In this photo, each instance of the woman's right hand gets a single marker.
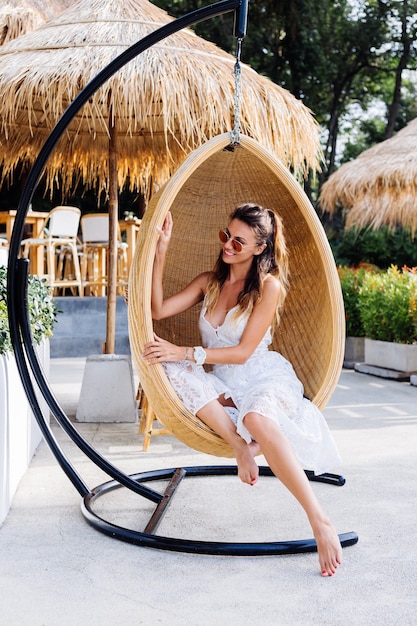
(165, 233)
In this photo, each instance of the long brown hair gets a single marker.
(268, 229)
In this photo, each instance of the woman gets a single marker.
(252, 398)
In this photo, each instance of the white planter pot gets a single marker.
(354, 351)
(19, 431)
(395, 356)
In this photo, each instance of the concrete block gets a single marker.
(413, 379)
(108, 391)
(381, 372)
(394, 356)
(354, 351)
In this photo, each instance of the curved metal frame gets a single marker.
(20, 328)
(150, 540)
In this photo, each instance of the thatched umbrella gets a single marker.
(18, 17)
(380, 186)
(167, 101)
(163, 104)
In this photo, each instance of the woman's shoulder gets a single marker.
(271, 283)
(201, 282)
(271, 289)
(203, 279)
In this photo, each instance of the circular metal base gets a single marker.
(150, 540)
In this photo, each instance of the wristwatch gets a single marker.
(199, 355)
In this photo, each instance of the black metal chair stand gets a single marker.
(149, 539)
(31, 372)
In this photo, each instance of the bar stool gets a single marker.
(93, 253)
(60, 234)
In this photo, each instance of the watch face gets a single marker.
(199, 355)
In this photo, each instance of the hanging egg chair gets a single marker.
(209, 184)
(202, 193)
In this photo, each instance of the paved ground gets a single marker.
(56, 570)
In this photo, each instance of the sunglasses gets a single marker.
(237, 246)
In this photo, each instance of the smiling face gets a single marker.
(240, 233)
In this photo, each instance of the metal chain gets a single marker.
(237, 72)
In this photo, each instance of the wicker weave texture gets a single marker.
(201, 195)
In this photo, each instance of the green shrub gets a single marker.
(388, 305)
(382, 247)
(42, 311)
(351, 279)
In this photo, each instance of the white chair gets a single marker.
(60, 245)
(95, 243)
(4, 251)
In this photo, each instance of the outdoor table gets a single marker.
(37, 220)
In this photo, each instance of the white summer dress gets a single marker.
(265, 384)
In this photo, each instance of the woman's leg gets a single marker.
(283, 462)
(214, 415)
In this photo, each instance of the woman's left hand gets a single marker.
(159, 350)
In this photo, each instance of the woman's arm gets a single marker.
(194, 292)
(259, 321)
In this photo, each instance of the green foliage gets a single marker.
(351, 279)
(388, 305)
(331, 54)
(5, 344)
(382, 247)
(42, 311)
(362, 136)
(219, 30)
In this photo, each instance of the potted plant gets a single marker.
(388, 311)
(42, 311)
(19, 432)
(351, 280)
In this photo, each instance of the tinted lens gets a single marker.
(237, 245)
(225, 237)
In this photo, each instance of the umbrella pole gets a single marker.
(109, 346)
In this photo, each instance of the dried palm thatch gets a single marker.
(380, 186)
(164, 103)
(18, 17)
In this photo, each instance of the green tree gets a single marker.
(320, 52)
(401, 54)
(335, 63)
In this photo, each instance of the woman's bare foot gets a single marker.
(248, 470)
(328, 547)
(254, 448)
